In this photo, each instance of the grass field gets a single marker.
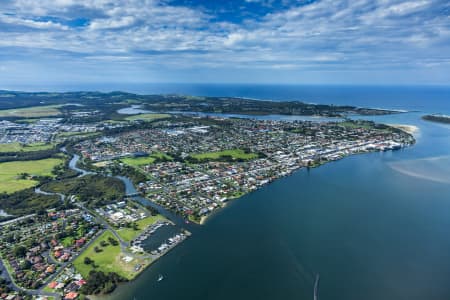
(9, 172)
(108, 260)
(129, 234)
(355, 125)
(147, 117)
(138, 161)
(142, 161)
(234, 153)
(32, 112)
(17, 147)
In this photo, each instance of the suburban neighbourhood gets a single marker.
(71, 228)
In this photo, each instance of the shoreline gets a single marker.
(204, 219)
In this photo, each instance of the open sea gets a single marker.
(374, 226)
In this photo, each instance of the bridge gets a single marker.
(131, 195)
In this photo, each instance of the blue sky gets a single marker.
(235, 41)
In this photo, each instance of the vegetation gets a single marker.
(96, 190)
(27, 202)
(437, 118)
(147, 117)
(105, 259)
(108, 103)
(146, 160)
(99, 282)
(136, 175)
(356, 124)
(130, 233)
(32, 112)
(138, 161)
(19, 175)
(225, 155)
(17, 147)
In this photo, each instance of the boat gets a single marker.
(160, 277)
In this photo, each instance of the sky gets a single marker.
(218, 41)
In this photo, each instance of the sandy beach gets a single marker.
(411, 129)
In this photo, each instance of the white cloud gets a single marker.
(31, 23)
(326, 34)
(112, 23)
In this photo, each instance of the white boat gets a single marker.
(160, 277)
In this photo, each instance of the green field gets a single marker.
(147, 117)
(32, 112)
(355, 125)
(234, 153)
(17, 147)
(142, 161)
(9, 172)
(108, 260)
(129, 234)
(138, 161)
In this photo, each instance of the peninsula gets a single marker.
(69, 227)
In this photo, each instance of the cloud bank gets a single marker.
(328, 41)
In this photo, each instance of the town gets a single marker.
(194, 166)
(88, 238)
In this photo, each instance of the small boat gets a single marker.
(160, 277)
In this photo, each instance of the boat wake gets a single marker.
(316, 287)
(303, 271)
(435, 169)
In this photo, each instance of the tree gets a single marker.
(20, 251)
(25, 265)
(113, 241)
(88, 260)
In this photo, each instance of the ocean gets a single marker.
(373, 226)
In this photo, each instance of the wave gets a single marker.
(435, 169)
